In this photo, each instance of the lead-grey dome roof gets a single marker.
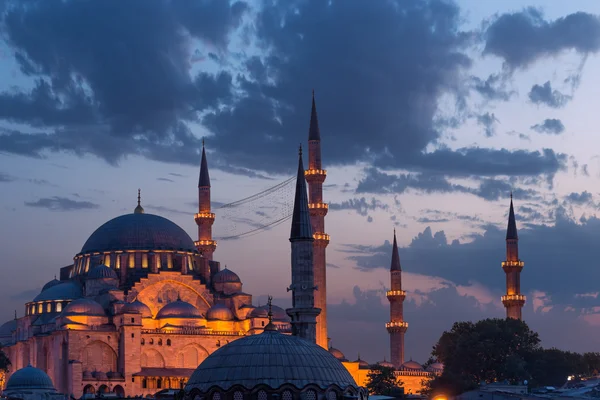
(53, 282)
(87, 307)
(138, 232)
(179, 309)
(64, 291)
(29, 378)
(271, 359)
(137, 307)
(102, 272)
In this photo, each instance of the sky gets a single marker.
(431, 113)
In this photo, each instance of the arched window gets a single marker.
(262, 395)
(58, 307)
(168, 342)
(160, 342)
(144, 383)
(159, 383)
(151, 341)
(143, 342)
(48, 307)
(287, 395)
(40, 308)
(216, 396)
(237, 395)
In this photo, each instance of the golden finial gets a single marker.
(139, 209)
(139, 196)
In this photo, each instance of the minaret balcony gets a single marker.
(321, 239)
(513, 300)
(204, 218)
(395, 294)
(210, 244)
(318, 209)
(512, 265)
(396, 326)
(315, 175)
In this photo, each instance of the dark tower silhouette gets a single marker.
(204, 218)
(513, 300)
(315, 176)
(303, 312)
(397, 326)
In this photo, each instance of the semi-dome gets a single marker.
(412, 366)
(137, 307)
(219, 312)
(102, 272)
(63, 291)
(226, 276)
(87, 307)
(29, 378)
(48, 285)
(138, 232)
(179, 309)
(337, 354)
(271, 359)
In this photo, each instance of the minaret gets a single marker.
(396, 327)
(303, 312)
(204, 219)
(315, 176)
(513, 300)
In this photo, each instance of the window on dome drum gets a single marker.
(262, 395)
(216, 396)
(239, 396)
(287, 395)
(40, 308)
(310, 395)
(58, 307)
(48, 307)
(144, 260)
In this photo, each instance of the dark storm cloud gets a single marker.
(361, 205)
(582, 198)
(523, 37)
(546, 249)
(57, 203)
(488, 121)
(550, 126)
(545, 95)
(493, 88)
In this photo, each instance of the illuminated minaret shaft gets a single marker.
(513, 300)
(315, 176)
(397, 326)
(204, 218)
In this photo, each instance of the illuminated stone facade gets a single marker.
(138, 310)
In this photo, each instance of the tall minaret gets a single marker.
(303, 312)
(315, 176)
(396, 327)
(513, 300)
(204, 219)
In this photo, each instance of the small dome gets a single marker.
(29, 378)
(385, 363)
(436, 367)
(219, 312)
(226, 276)
(87, 307)
(179, 309)
(267, 359)
(279, 313)
(137, 307)
(102, 272)
(337, 354)
(53, 282)
(411, 366)
(259, 312)
(362, 363)
(63, 291)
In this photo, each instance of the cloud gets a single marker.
(26, 295)
(168, 210)
(165, 179)
(545, 95)
(550, 126)
(582, 198)
(488, 121)
(493, 88)
(523, 37)
(4, 178)
(361, 205)
(57, 203)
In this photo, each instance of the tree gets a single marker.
(382, 380)
(4, 361)
(487, 351)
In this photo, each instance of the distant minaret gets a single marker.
(396, 327)
(513, 300)
(205, 218)
(303, 312)
(315, 176)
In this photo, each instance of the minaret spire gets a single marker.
(513, 300)
(139, 209)
(204, 218)
(315, 176)
(397, 326)
(303, 312)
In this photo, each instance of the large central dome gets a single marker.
(138, 232)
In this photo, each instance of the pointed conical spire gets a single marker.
(313, 130)
(301, 228)
(511, 231)
(204, 177)
(139, 209)
(395, 266)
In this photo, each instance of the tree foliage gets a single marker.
(4, 361)
(382, 380)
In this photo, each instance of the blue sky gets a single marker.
(430, 114)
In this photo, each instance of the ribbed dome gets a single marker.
(87, 307)
(137, 307)
(337, 354)
(63, 291)
(412, 366)
(102, 272)
(271, 359)
(48, 285)
(179, 309)
(226, 276)
(138, 232)
(30, 378)
(219, 312)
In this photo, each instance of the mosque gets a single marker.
(143, 306)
